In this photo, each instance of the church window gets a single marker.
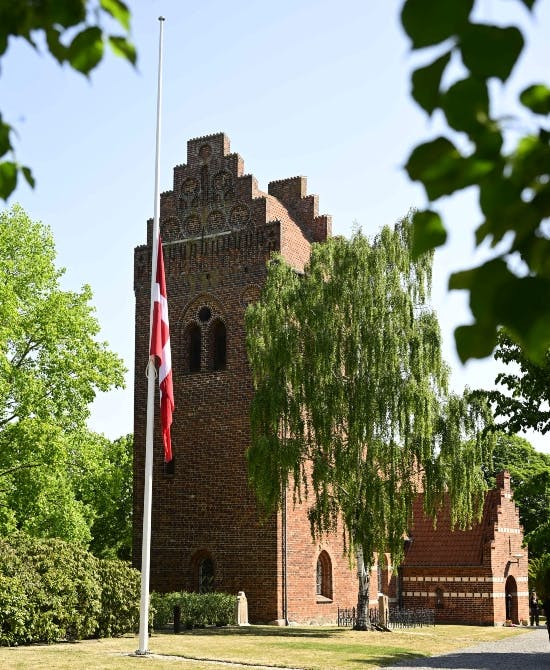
(324, 576)
(194, 344)
(218, 342)
(206, 576)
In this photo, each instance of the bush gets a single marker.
(197, 610)
(55, 584)
(120, 597)
(52, 590)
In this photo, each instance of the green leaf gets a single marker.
(121, 47)
(5, 143)
(426, 82)
(475, 341)
(86, 50)
(428, 232)
(429, 22)
(442, 170)
(466, 105)
(118, 10)
(68, 13)
(535, 251)
(56, 47)
(8, 179)
(490, 51)
(536, 98)
(525, 310)
(530, 161)
(28, 176)
(430, 159)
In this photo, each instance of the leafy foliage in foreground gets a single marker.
(52, 590)
(197, 610)
(512, 171)
(74, 33)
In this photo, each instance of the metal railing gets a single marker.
(398, 618)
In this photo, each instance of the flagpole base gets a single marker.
(140, 652)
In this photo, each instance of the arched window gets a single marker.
(193, 348)
(206, 576)
(323, 576)
(218, 343)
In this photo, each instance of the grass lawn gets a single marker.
(310, 648)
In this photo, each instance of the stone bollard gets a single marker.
(383, 610)
(241, 609)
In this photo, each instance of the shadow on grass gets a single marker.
(458, 661)
(263, 631)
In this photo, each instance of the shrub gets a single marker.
(120, 596)
(52, 590)
(197, 610)
(14, 611)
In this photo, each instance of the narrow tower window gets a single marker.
(194, 343)
(219, 345)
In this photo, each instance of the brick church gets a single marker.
(219, 230)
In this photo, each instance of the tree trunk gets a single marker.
(362, 621)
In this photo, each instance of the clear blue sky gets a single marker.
(316, 88)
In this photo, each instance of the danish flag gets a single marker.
(160, 349)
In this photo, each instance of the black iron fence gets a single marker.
(398, 618)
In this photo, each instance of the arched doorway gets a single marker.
(511, 600)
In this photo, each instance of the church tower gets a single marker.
(218, 231)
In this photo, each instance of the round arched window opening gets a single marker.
(205, 314)
(323, 576)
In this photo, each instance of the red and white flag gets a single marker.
(160, 348)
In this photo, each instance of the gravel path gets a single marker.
(529, 651)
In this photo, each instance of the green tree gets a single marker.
(530, 479)
(525, 404)
(350, 404)
(101, 475)
(75, 33)
(51, 366)
(510, 169)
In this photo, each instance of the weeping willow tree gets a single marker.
(351, 407)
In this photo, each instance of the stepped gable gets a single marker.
(212, 196)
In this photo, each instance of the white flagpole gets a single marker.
(151, 377)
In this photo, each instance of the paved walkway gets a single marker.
(529, 651)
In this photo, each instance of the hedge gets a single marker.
(197, 610)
